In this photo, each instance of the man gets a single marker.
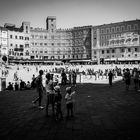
(110, 75)
(39, 87)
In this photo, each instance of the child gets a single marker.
(58, 98)
(69, 101)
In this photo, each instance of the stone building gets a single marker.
(60, 44)
(115, 42)
(3, 42)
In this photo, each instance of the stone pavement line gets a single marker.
(100, 113)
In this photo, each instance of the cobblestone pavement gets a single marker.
(101, 113)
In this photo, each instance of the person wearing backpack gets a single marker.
(39, 88)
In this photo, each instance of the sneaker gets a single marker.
(41, 107)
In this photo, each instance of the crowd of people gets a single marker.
(50, 79)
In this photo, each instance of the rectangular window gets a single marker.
(16, 37)
(107, 30)
(107, 51)
(26, 38)
(122, 28)
(129, 50)
(26, 45)
(117, 29)
(102, 31)
(128, 27)
(113, 51)
(136, 49)
(122, 50)
(11, 36)
(112, 29)
(135, 26)
(102, 51)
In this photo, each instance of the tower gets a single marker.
(26, 27)
(51, 23)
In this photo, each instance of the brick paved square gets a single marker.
(100, 112)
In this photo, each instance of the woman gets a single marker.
(50, 93)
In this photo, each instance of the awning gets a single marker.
(110, 59)
(80, 60)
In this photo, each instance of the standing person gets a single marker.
(136, 78)
(33, 81)
(58, 98)
(49, 87)
(64, 77)
(39, 87)
(69, 101)
(127, 78)
(110, 76)
(74, 76)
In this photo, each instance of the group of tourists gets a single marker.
(53, 95)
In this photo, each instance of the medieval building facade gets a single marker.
(104, 43)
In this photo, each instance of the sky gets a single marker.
(69, 13)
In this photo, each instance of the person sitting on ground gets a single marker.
(10, 86)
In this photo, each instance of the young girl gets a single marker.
(69, 101)
(58, 98)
